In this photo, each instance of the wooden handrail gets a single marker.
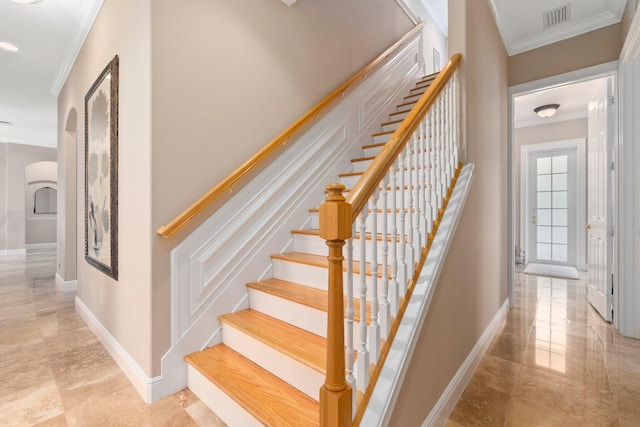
(372, 177)
(257, 159)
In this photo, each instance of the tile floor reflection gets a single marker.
(554, 363)
(55, 372)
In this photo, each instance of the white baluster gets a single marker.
(447, 140)
(422, 181)
(362, 365)
(374, 327)
(394, 296)
(411, 260)
(350, 353)
(432, 171)
(385, 314)
(441, 160)
(402, 268)
(438, 147)
(417, 242)
(456, 115)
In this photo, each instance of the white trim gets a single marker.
(63, 286)
(13, 252)
(626, 299)
(449, 398)
(581, 191)
(385, 394)
(608, 69)
(555, 119)
(567, 30)
(87, 17)
(407, 10)
(141, 382)
(33, 246)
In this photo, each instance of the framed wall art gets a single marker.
(101, 171)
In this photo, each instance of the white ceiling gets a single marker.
(521, 21)
(49, 35)
(573, 99)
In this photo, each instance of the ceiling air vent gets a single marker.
(556, 16)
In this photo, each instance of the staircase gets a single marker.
(272, 362)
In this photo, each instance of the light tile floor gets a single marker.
(554, 363)
(55, 372)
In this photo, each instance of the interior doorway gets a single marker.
(550, 223)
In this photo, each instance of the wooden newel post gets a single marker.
(335, 228)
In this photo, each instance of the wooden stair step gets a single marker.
(392, 122)
(389, 133)
(344, 175)
(303, 346)
(407, 104)
(320, 261)
(397, 113)
(304, 295)
(270, 400)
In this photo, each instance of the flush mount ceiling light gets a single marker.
(546, 111)
(8, 46)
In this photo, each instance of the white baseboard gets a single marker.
(13, 252)
(68, 286)
(32, 246)
(449, 398)
(140, 381)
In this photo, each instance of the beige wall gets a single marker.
(15, 157)
(230, 75)
(432, 37)
(596, 47)
(123, 307)
(559, 131)
(474, 281)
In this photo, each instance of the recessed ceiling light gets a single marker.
(8, 46)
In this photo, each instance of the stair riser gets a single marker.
(412, 98)
(379, 139)
(315, 277)
(316, 246)
(405, 106)
(419, 90)
(290, 370)
(301, 316)
(371, 151)
(360, 166)
(399, 116)
(232, 413)
(390, 127)
(379, 217)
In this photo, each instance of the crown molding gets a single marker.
(83, 25)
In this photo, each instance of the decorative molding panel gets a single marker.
(210, 268)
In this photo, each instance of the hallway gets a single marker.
(554, 363)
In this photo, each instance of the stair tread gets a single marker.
(392, 122)
(380, 144)
(362, 159)
(297, 343)
(389, 132)
(268, 398)
(305, 295)
(344, 175)
(320, 261)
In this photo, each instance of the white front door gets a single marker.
(552, 204)
(599, 249)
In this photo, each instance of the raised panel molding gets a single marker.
(210, 268)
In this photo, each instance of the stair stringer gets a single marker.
(212, 265)
(389, 384)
